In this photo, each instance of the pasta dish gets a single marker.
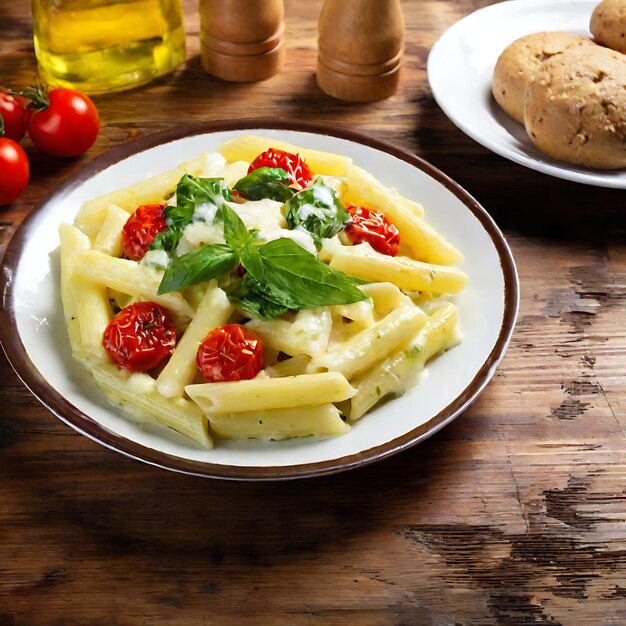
(259, 291)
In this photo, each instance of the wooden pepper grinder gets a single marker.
(361, 43)
(242, 40)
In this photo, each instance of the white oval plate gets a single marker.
(33, 333)
(460, 67)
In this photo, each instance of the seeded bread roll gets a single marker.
(575, 109)
(608, 24)
(519, 63)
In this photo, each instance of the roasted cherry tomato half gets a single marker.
(139, 337)
(14, 170)
(64, 122)
(299, 173)
(15, 115)
(142, 227)
(230, 352)
(374, 228)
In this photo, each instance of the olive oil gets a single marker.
(107, 45)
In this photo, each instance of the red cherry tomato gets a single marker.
(14, 170)
(139, 337)
(65, 123)
(299, 172)
(15, 115)
(374, 228)
(230, 352)
(141, 228)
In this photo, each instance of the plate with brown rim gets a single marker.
(34, 338)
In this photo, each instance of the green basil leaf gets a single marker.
(250, 299)
(236, 235)
(295, 278)
(265, 182)
(202, 264)
(318, 211)
(190, 192)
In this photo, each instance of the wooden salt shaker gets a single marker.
(361, 43)
(242, 40)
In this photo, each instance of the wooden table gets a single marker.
(514, 514)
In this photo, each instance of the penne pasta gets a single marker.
(372, 344)
(109, 238)
(439, 334)
(276, 424)
(248, 147)
(214, 310)
(289, 367)
(72, 241)
(128, 277)
(364, 262)
(137, 395)
(260, 394)
(309, 332)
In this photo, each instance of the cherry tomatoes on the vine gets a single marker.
(64, 122)
(140, 230)
(229, 353)
(139, 337)
(15, 115)
(374, 228)
(299, 172)
(14, 170)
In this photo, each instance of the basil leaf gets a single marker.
(295, 278)
(250, 299)
(202, 264)
(265, 182)
(190, 192)
(236, 235)
(318, 211)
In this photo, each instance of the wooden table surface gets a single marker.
(513, 514)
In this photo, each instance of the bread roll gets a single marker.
(575, 109)
(608, 24)
(519, 63)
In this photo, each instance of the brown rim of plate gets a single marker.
(62, 408)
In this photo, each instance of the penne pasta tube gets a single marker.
(136, 394)
(128, 277)
(385, 297)
(309, 332)
(372, 344)
(439, 334)
(72, 241)
(214, 310)
(364, 262)
(248, 147)
(94, 313)
(323, 419)
(109, 238)
(424, 241)
(260, 394)
(364, 188)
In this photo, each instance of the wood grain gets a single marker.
(513, 515)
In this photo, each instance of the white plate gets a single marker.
(460, 67)
(34, 337)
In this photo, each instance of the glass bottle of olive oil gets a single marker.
(107, 45)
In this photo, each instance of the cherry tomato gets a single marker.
(65, 122)
(15, 115)
(142, 227)
(14, 170)
(139, 337)
(230, 352)
(374, 228)
(299, 172)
